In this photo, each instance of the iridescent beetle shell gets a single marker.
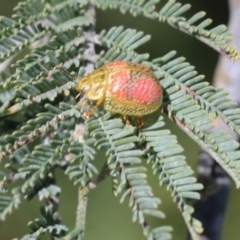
(123, 87)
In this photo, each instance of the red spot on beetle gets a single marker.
(145, 90)
(119, 84)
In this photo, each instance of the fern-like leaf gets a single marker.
(122, 161)
(163, 153)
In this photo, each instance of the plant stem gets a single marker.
(81, 211)
(89, 52)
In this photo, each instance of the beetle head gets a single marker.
(93, 89)
(83, 84)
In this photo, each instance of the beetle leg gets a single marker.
(88, 114)
(139, 121)
(126, 119)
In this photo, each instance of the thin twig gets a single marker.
(89, 52)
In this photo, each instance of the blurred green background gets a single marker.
(107, 219)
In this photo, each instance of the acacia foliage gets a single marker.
(48, 128)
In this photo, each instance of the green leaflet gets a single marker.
(35, 127)
(9, 204)
(217, 37)
(124, 157)
(173, 170)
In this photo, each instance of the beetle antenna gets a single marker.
(67, 72)
(78, 95)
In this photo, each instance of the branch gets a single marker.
(81, 210)
(89, 52)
